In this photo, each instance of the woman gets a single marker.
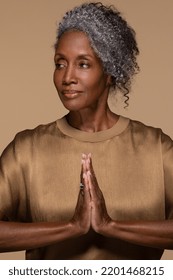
(123, 208)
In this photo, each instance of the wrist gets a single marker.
(77, 229)
(107, 228)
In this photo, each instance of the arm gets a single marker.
(16, 236)
(155, 234)
(158, 234)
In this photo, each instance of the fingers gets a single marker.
(84, 191)
(86, 163)
(97, 206)
(88, 171)
(83, 177)
(87, 168)
(83, 200)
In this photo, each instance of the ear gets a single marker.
(109, 80)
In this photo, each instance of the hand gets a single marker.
(99, 216)
(82, 215)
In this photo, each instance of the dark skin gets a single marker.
(83, 88)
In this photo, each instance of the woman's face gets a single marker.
(79, 77)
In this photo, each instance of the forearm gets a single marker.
(22, 236)
(156, 234)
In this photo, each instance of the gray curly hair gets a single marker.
(112, 39)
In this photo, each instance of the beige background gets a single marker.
(27, 94)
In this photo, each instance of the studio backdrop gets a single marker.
(27, 93)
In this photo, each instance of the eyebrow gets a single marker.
(80, 56)
(85, 56)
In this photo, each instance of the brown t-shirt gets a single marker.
(40, 177)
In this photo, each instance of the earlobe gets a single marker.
(109, 80)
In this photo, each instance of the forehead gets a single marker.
(74, 41)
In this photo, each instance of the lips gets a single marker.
(70, 93)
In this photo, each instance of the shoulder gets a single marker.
(25, 141)
(143, 129)
(149, 133)
(37, 131)
(30, 135)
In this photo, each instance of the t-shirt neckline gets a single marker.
(98, 136)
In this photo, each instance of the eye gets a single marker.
(59, 65)
(84, 65)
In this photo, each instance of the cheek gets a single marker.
(93, 80)
(98, 83)
(54, 77)
(57, 80)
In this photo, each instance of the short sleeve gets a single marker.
(12, 184)
(167, 154)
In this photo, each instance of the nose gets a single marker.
(69, 76)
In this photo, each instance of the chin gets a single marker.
(73, 107)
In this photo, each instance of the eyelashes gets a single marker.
(80, 65)
(59, 66)
(84, 65)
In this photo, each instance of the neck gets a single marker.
(92, 120)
